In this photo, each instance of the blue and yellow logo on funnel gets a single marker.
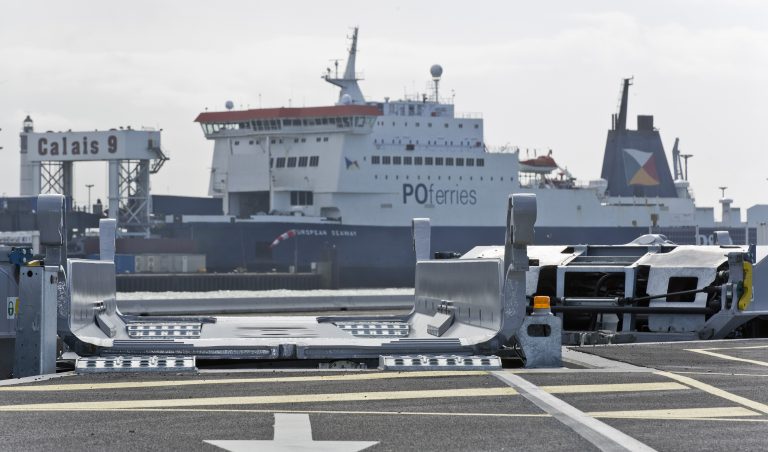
(640, 168)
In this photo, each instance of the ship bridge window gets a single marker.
(250, 142)
(314, 160)
(303, 140)
(237, 143)
(459, 162)
(446, 125)
(480, 162)
(386, 160)
(272, 163)
(438, 161)
(318, 139)
(470, 162)
(417, 160)
(428, 160)
(407, 160)
(461, 126)
(449, 161)
(409, 147)
(296, 122)
(280, 162)
(302, 198)
(396, 160)
(286, 122)
(303, 161)
(325, 138)
(375, 160)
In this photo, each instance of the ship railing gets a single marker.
(469, 115)
(505, 149)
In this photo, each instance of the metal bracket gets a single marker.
(540, 337)
(442, 320)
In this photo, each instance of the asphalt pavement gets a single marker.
(672, 397)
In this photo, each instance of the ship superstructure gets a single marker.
(360, 170)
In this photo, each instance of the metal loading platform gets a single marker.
(465, 311)
(498, 300)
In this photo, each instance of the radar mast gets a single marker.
(350, 91)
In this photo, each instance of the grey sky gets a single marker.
(543, 74)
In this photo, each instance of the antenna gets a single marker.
(722, 189)
(436, 71)
(621, 117)
(685, 158)
(677, 170)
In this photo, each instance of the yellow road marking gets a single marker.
(738, 413)
(761, 407)
(222, 381)
(618, 387)
(563, 389)
(749, 347)
(721, 373)
(262, 400)
(677, 413)
(720, 355)
(394, 413)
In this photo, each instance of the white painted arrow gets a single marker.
(293, 432)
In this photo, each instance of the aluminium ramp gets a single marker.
(459, 309)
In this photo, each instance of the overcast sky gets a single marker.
(543, 74)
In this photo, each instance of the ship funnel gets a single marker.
(634, 162)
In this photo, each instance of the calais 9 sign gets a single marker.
(84, 147)
(92, 146)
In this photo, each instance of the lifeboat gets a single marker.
(543, 164)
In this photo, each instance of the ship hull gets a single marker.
(379, 256)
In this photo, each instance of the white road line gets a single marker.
(722, 356)
(601, 435)
(761, 407)
(292, 432)
(8, 384)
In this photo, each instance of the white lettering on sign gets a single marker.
(12, 308)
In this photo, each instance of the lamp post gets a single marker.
(89, 187)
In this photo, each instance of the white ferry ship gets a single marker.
(341, 183)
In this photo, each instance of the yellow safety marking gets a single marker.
(746, 297)
(394, 413)
(721, 373)
(677, 413)
(749, 347)
(731, 358)
(224, 381)
(757, 406)
(617, 387)
(737, 414)
(263, 400)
